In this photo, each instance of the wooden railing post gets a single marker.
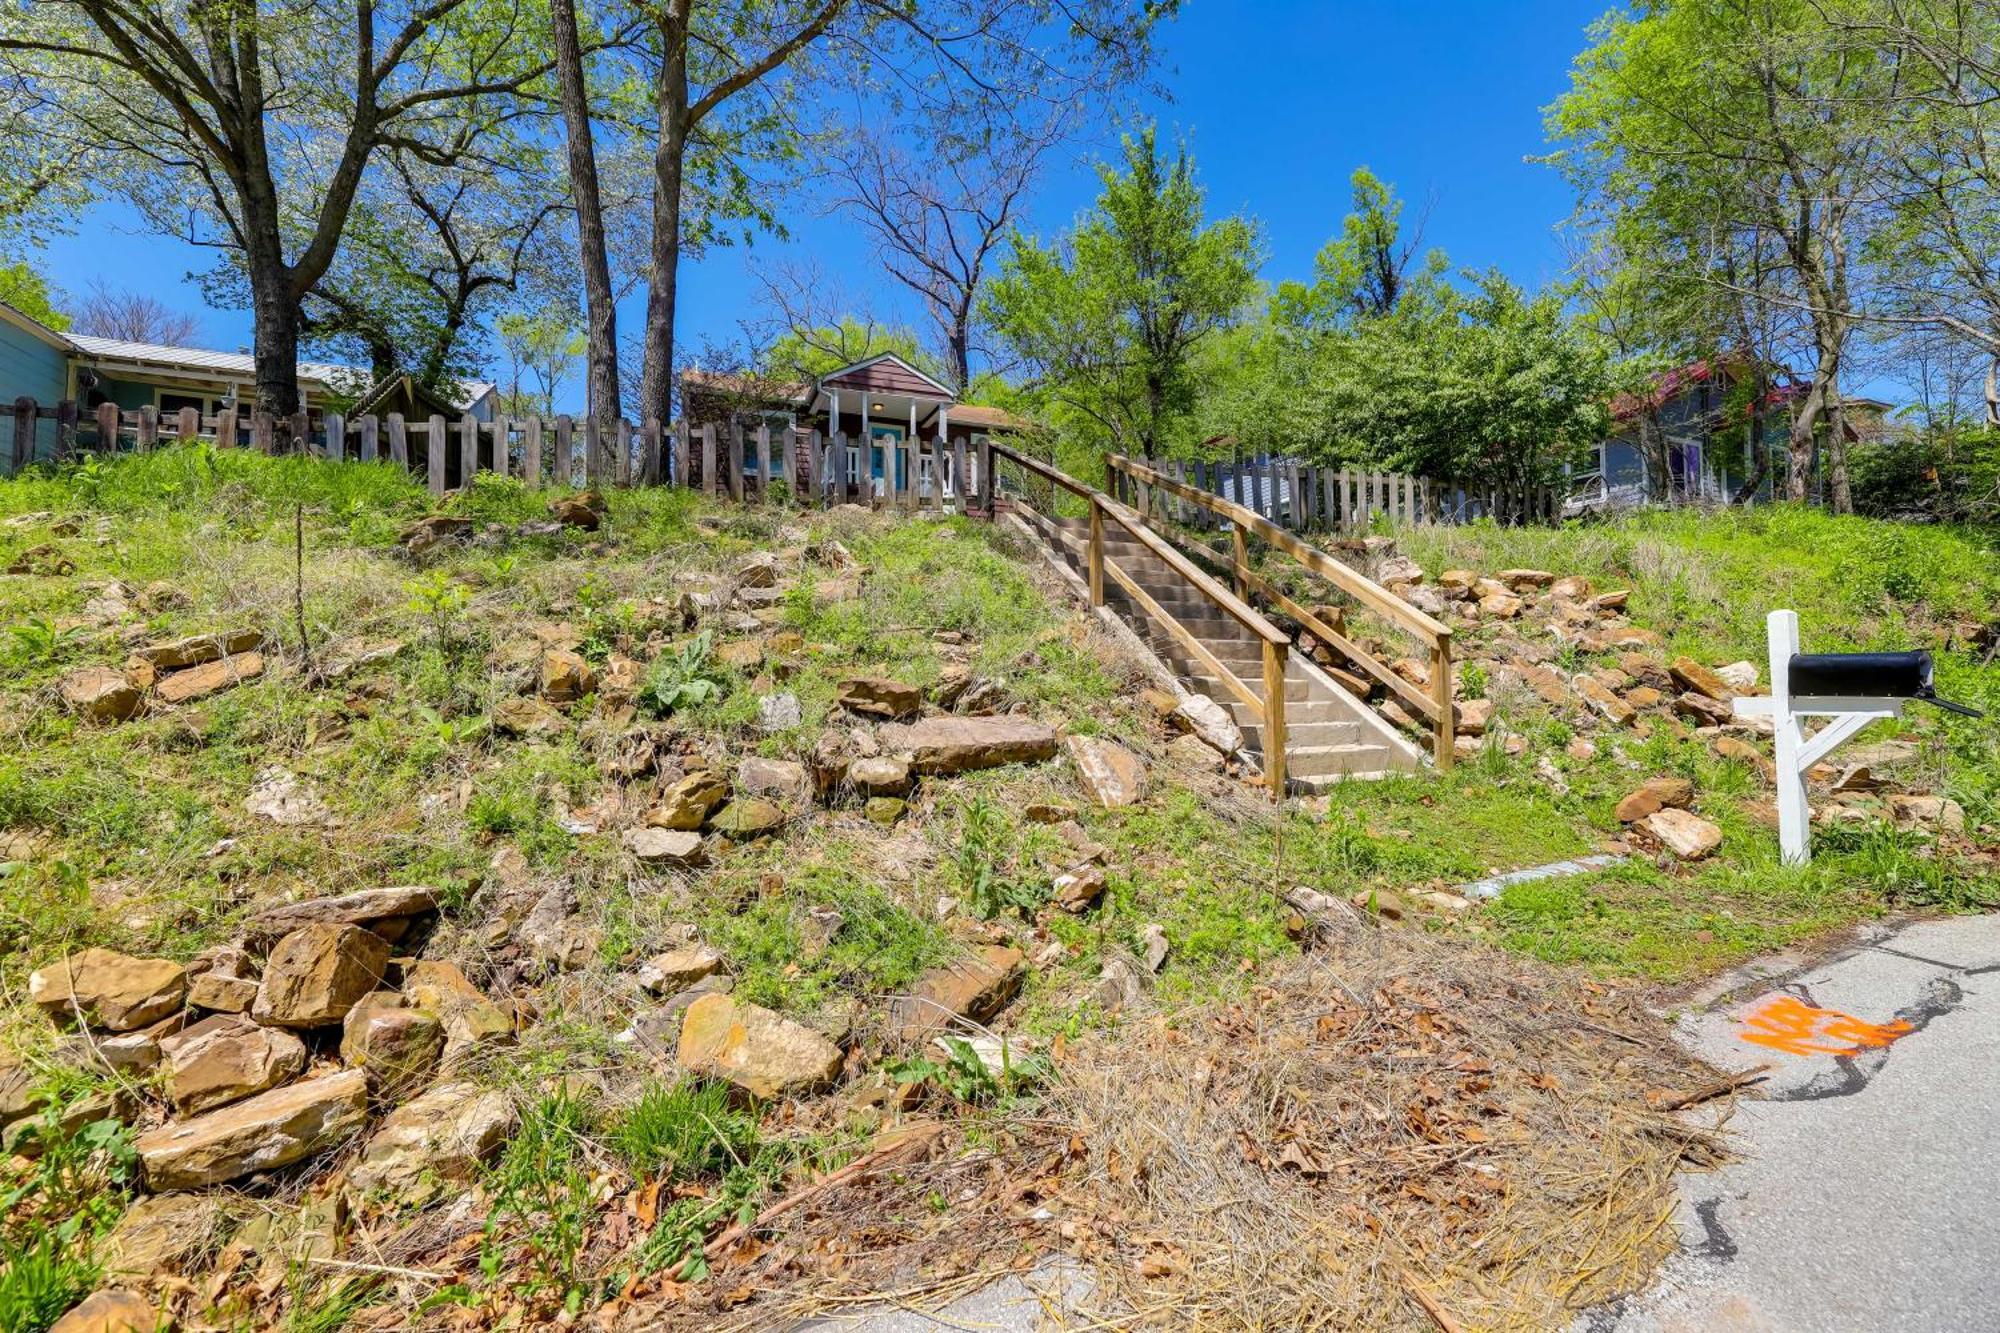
(334, 426)
(988, 492)
(1445, 723)
(25, 414)
(190, 424)
(399, 441)
(1240, 568)
(1096, 552)
(149, 429)
(1274, 718)
(371, 449)
(434, 455)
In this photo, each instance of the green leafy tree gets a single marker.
(1360, 273)
(1491, 387)
(1111, 319)
(1705, 134)
(28, 292)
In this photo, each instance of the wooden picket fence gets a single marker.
(1303, 497)
(562, 451)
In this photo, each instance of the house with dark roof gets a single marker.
(1706, 435)
(878, 404)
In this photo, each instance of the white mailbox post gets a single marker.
(1850, 690)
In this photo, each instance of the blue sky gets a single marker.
(1279, 99)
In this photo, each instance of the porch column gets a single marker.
(914, 485)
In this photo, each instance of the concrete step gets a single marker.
(1296, 691)
(1305, 735)
(1325, 761)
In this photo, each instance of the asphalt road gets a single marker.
(1868, 1194)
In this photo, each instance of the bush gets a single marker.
(685, 1131)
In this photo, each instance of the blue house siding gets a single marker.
(30, 367)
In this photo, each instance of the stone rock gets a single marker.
(222, 992)
(1075, 890)
(136, 1052)
(744, 655)
(396, 1046)
(779, 712)
(113, 1310)
(884, 810)
(879, 697)
(1574, 588)
(1399, 569)
(226, 1058)
(1153, 946)
(270, 1130)
(433, 529)
(1581, 750)
(749, 817)
(784, 780)
(940, 746)
(1358, 686)
(1688, 836)
(439, 1137)
(689, 802)
(209, 678)
(1695, 678)
(1704, 709)
(675, 970)
(881, 776)
(1427, 600)
(1602, 700)
(1526, 580)
(383, 911)
(528, 719)
(100, 694)
(1543, 681)
(1191, 752)
(1458, 582)
(1909, 811)
(161, 1233)
(1212, 722)
(1500, 606)
(974, 988)
(1644, 696)
(470, 1019)
(1743, 752)
(1112, 775)
(23, 1138)
(109, 990)
(1473, 716)
(1739, 676)
(176, 654)
(668, 847)
(760, 570)
(565, 677)
(763, 1053)
(282, 798)
(1655, 794)
(316, 973)
(1856, 777)
(1119, 986)
(585, 510)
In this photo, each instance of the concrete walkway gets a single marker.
(1868, 1197)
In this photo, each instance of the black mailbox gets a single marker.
(1868, 676)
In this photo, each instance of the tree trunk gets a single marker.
(656, 388)
(601, 311)
(1805, 423)
(958, 346)
(1840, 496)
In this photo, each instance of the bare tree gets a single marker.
(134, 317)
(600, 306)
(936, 213)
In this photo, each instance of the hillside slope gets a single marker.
(524, 896)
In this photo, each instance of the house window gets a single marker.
(853, 465)
(170, 404)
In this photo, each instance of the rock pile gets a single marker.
(177, 671)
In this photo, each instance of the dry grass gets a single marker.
(1390, 1115)
(1390, 1121)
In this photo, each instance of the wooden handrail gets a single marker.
(1270, 709)
(1239, 610)
(1438, 706)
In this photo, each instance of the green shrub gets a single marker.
(685, 1131)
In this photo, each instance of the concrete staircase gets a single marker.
(1330, 735)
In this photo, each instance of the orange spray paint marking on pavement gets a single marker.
(1787, 1023)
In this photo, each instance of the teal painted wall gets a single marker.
(29, 368)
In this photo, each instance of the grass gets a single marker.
(136, 836)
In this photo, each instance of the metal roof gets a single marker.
(238, 364)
